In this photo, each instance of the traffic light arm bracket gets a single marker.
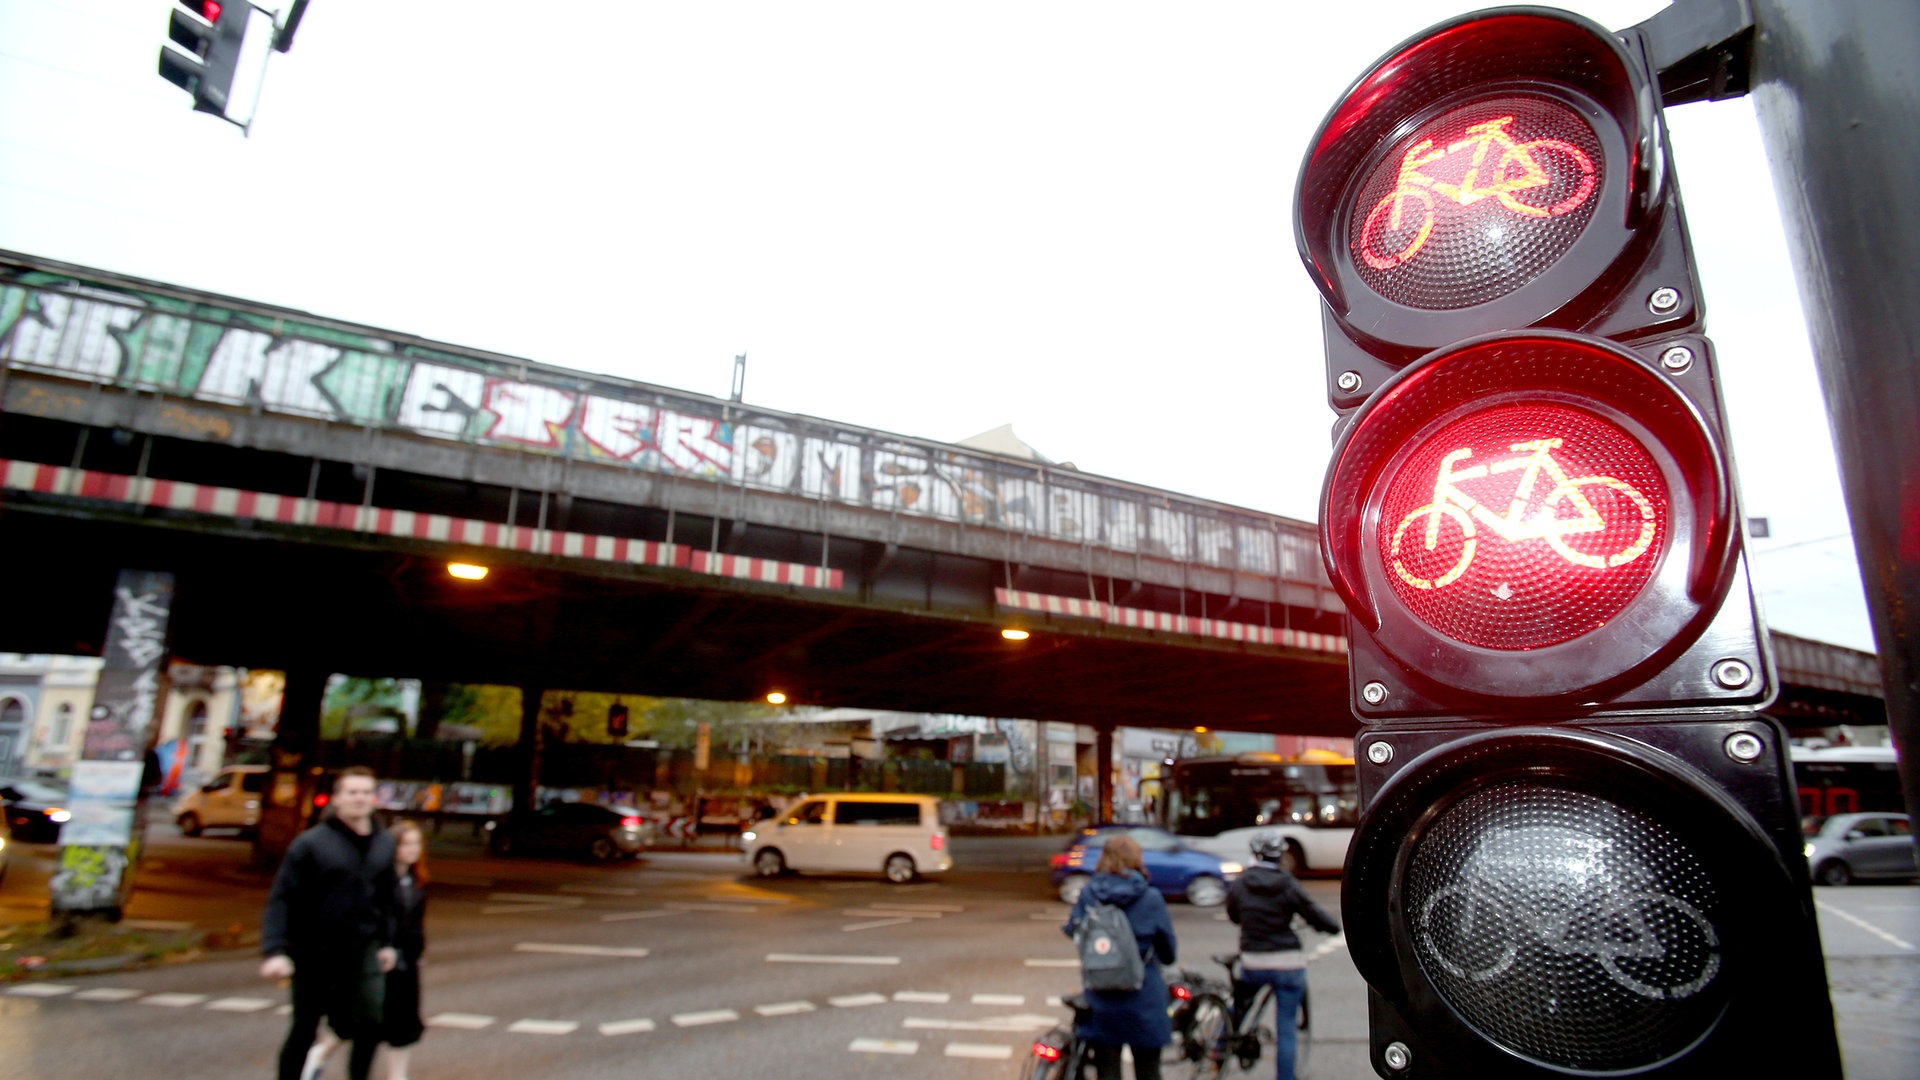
(1701, 50)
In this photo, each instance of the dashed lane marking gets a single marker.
(949, 909)
(462, 1021)
(46, 990)
(523, 909)
(999, 999)
(173, 1001)
(108, 993)
(628, 916)
(1021, 1022)
(626, 1027)
(538, 898)
(874, 924)
(578, 950)
(878, 912)
(855, 1001)
(701, 1019)
(922, 997)
(599, 890)
(1053, 963)
(239, 1004)
(987, 1051)
(161, 925)
(784, 1008)
(727, 909)
(819, 958)
(884, 1046)
(544, 1027)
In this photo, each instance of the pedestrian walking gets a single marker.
(1132, 1018)
(401, 1026)
(329, 925)
(1263, 902)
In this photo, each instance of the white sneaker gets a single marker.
(316, 1064)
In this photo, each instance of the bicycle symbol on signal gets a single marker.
(1518, 169)
(1534, 459)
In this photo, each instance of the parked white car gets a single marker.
(231, 800)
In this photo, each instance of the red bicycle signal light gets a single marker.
(1519, 519)
(1497, 171)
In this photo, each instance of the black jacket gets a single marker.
(410, 920)
(334, 890)
(1264, 901)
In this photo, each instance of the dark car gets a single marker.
(1858, 847)
(35, 811)
(1173, 867)
(595, 830)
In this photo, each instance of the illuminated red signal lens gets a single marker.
(1522, 525)
(1475, 202)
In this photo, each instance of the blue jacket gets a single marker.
(1133, 1017)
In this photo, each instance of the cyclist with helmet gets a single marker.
(1263, 902)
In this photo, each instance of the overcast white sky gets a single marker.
(926, 219)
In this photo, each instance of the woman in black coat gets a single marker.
(1133, 1018)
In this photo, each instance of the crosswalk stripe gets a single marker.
(577, 950)
(239, 1004)
(884, 1046)
(463, 1021)
(980, 1050)
(173, 1001)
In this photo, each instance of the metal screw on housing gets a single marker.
(1664, 300)
(1397, 1056)
(1348, 382)
(1732, 674)
(1744, 747)
(1677, 359)
(1380, 753)
(1374, 693)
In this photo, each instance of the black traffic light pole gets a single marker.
(1838, 97)
(1838, 94)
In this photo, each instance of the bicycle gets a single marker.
(1518, 169)
(1061, 1054)
(1533, 460)
(1213, 1036)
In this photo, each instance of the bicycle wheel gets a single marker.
(1557, 178)
(1611, 503)
(1203, 1044)
(1036, 1067)
(1397, 228)
(1414, 558)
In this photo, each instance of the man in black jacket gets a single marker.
(329, 925)
(1263, 902)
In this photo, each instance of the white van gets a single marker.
(231, 800)
(897, 835)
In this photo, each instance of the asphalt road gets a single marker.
(684, 965)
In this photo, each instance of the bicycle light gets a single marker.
(1562, 867)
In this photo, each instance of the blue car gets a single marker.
(1174, 868)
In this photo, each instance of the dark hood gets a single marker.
(1266, 879)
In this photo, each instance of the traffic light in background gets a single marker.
(617, 721)
(1579, 851)
(211, 33)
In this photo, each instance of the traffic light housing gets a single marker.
(617, 721)
(1579, 849)
(209, 34)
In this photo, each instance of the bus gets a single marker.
(1218, 804)
(1846, 779)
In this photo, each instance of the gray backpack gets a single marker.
(1109, 954)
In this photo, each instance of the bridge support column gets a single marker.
(295, 768)
(526, 783)
(1103, 772)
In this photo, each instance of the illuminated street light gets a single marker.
(1015, 634)
(775, 697)
(467, 571)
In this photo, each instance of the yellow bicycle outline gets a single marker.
(1535, 457)
(1480, 138)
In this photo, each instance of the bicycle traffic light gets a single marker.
(211, 33)
(1579, 848)
(617, 721)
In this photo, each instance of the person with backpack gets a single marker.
(1122, 929)
(1263, 902)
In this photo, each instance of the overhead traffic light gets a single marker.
(1579, 851)
(617, 721)
(209, 34)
